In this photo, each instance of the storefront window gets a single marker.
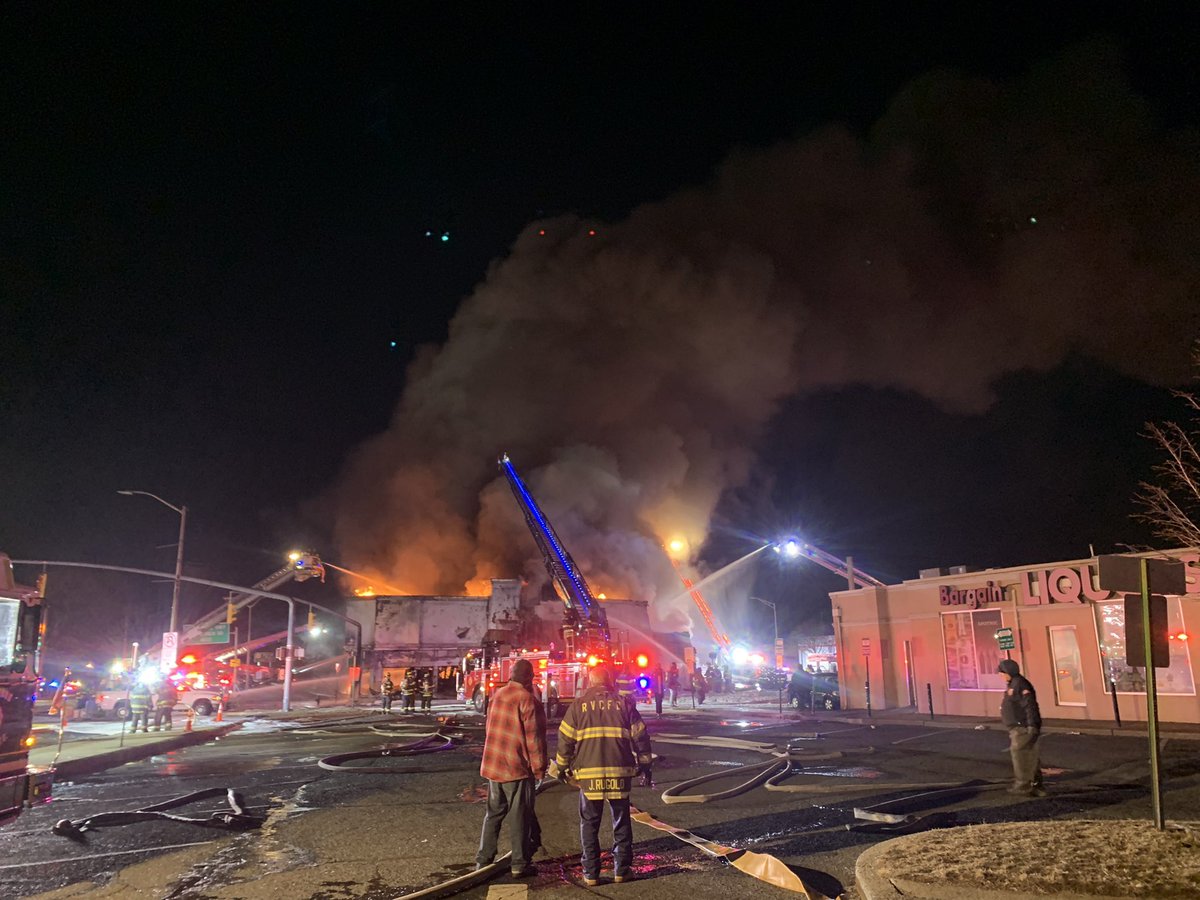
(1177, 679)
(972, 653)
(1068, 666)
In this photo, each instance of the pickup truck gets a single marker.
(202, 700)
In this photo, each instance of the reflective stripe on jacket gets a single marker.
(603, 740)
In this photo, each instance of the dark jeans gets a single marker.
(658, 698)
(591, 812)
(508, 798)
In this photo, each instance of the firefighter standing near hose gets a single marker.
(602, 744)
(163, 705)
(427, 692)
(408, 691)
(139, 706)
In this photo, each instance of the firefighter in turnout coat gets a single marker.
(139, 706)
(602, 744)
(427, 693)
(408, 691)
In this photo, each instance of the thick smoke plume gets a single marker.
(981, 228)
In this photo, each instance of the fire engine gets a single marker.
(560, 675)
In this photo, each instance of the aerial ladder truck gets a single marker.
(559, 675)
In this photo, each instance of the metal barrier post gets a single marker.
(929, 696)
(1112, 689)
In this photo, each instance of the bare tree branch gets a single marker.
(1171, 503)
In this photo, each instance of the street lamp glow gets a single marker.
(116, 668)
(147, 676)
(740, 655)
(294, 555)
(316, 631)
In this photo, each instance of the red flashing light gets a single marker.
(1182, 636)
(592, 660)
(591, 232)
(643, 660)
(188, 660)
(541, 663)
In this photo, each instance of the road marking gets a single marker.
(71, 859)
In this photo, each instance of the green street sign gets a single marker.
(213, 634)
(1005, 637)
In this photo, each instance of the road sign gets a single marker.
(213, 634)
(779, 653)
(170, 650)
(1005, 637)
(866, 646)
(1123, 574)
(234, 663)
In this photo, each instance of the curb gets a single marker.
(949, 723)
(874, 886)
(89, 765)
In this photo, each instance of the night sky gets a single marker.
(220, 251)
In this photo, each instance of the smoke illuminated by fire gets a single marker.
(630, 374)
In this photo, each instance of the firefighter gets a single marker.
(385, 691)
(673, 684)
(699, 686)
(408, 691)
(658, 687)
(163, 705)
(139, 706)
(627, 687)
(602, 744)
(427, 692)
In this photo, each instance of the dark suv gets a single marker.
(814, 690)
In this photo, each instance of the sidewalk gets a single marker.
(86, 756)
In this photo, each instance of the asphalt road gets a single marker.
(377, 837)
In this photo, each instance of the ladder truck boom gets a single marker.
(300, 567)
(828, 561)
(584, 616)
(720, 638)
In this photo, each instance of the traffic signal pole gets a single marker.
(287, 658)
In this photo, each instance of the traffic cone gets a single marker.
(191, 715)
(220, 711)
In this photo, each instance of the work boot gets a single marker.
(590, 881)
(530, 871)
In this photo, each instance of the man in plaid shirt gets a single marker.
(514, 758)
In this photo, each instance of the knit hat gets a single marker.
(1009, 667)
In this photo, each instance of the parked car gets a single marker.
(814, 690)
(773, 679)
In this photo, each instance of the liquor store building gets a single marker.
(939, 636)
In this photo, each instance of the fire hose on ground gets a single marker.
(236, 819)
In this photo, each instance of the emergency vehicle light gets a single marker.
(643, 660)
(643, 683)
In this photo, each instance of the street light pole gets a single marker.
(182, 511)
(775, 616)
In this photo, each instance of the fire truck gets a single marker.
(560, 675)
(20, 636)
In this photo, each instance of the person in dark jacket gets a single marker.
(385, 692)
(1019, 711)
(602, 744)
(699, 686)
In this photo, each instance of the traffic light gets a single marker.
(230, 613)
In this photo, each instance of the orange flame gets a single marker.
(367, 591)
